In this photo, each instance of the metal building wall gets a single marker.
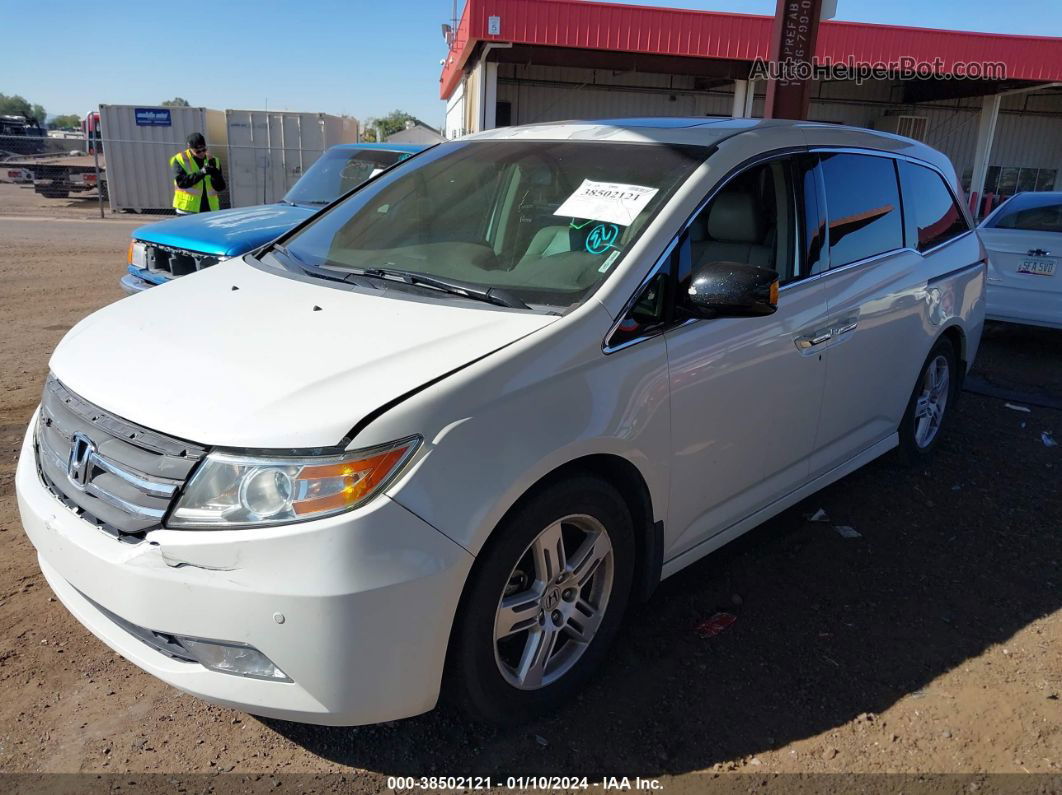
(1029, 131)
(455, 113)
(551, 93)
(270, 150)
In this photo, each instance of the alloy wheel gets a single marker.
(930, 405)
(553, 602)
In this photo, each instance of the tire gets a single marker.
(490, 679)
(919, 432)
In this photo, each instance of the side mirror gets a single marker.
(732, 289)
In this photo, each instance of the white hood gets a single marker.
(260, 366)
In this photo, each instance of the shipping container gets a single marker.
(270, 150)
(140, 140)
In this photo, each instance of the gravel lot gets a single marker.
(932, 643)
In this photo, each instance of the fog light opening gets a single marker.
(237, 659)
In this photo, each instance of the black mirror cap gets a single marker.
(733, 289)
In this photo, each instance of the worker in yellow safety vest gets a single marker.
(197, 179)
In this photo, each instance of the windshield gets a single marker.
(545, 221)
(338, 171)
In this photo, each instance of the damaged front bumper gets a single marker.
(355, 609)
(139, 279)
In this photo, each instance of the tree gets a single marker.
(16, 105)
(388, 125)
(66, 122)
(176, 102)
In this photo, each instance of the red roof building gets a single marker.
(992, 102)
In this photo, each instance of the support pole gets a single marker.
(489, 105)
(750, 97)
(741, 88)
(99, 182)
(986, 133)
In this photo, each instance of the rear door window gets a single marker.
(932, 215)
(863, 206)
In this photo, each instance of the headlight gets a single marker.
(248, 491)
(137, 254)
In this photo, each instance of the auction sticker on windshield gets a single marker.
(612, 202)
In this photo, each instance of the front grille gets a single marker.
(175, 261)
(116, 475)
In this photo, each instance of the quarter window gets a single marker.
(863, 205)
(932, 215)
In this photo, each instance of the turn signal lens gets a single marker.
(248, 491)
(335, 486)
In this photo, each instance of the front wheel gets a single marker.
(544, 602)
(931, 403)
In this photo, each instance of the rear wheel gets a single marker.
(544, 602)
(930, 406)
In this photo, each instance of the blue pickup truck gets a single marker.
(165, 250)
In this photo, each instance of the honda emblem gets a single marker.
(78, 466)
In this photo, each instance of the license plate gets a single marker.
(1038, 267)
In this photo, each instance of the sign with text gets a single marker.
(796, 29)
(152, 117)
(612, 202)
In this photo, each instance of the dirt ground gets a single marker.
(20, 200)
(930, 643)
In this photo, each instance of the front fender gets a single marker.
(494, 430)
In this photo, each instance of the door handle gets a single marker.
(811, 340)
(848, 326)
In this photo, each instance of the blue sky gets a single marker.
(361, 58)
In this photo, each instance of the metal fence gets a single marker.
(133, 175)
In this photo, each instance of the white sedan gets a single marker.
(1023, 237)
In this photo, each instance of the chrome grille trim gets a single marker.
(126, 475)
(156, 488)
(117, 502)
(153, 487)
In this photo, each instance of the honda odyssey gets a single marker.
(437, 438)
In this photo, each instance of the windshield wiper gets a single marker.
(490, 295)
(283, 251)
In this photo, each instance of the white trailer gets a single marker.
(270, 150)
(139, 142)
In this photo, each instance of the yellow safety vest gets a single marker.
(189, 199)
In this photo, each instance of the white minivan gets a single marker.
(437, 438)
